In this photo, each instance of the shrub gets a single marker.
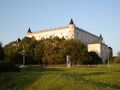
(116, 59)
(8, 67)
(95, 59)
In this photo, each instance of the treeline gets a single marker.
(49, 51)
(116, 59)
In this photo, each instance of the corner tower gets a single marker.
(71, 22)
(29, 32)
(71, 26)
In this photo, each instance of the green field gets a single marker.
(79, 78)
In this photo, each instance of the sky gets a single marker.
(95, 16)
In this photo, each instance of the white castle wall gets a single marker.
(95, 47)
(66, 32)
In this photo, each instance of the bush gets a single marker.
(95, 59)
(8, 67)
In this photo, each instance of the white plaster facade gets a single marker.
(72, 32)
(67, 32)
(102, 50)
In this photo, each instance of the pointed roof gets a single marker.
(101, 37)
(71, 21)
(29, 30)
(18, 40)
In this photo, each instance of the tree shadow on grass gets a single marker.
(27, 76)
(81, 77)
(41, 69)
(30, 75)
(77, 76)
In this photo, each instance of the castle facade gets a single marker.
(93, 42)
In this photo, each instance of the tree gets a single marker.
(76, 50)
(36, 51)
(1, 52)
(117, 59)
(94, 58)
(51, 48)
(49, 51)
(12, 53)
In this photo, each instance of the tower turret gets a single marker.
(71, 21)
(71, 26)
(101, 39)
(29, 30)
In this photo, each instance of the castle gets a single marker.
(93, 42)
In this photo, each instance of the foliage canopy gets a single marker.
(49, 51)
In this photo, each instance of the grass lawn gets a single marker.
(79, 78)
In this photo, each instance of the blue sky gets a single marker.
(95, 16)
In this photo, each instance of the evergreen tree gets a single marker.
(1, 52)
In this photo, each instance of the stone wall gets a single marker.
(67, 32)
